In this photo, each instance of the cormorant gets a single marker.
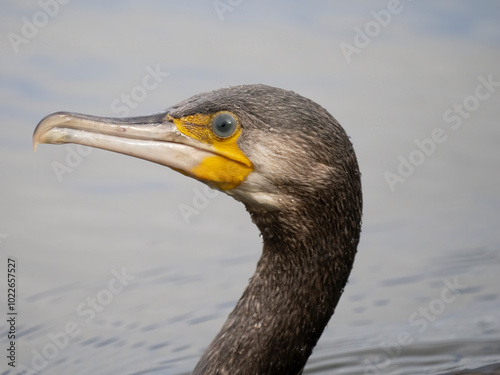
(294, 168)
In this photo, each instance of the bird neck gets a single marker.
(299, 279)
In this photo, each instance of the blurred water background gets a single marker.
(415, 84)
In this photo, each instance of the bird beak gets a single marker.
(154, 138)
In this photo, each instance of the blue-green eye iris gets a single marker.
(224, 125)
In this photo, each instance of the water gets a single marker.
(115, 277)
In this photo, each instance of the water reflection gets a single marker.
(140, 340)
(439, 226)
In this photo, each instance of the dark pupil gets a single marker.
(224, 125)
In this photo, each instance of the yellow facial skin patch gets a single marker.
(229, 166)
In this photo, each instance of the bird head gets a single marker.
(265, 146)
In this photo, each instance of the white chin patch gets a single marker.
(272, 163)
(260, 191)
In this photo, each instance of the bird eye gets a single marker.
(224, 125)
